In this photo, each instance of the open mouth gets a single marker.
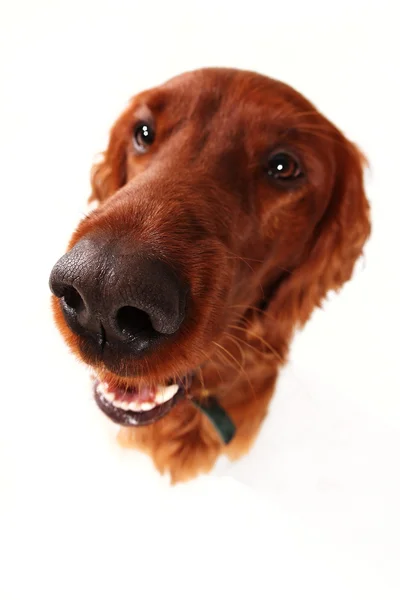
(138, 406)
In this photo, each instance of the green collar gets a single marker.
(222, 422)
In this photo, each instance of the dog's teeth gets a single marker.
(147, 405)
(165, 393)
(102, 389)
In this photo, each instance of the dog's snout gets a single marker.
(127, 300)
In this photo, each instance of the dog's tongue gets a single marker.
(144, 393)
(134, 398)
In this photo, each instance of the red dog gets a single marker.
(228, 207)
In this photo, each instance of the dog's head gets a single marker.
(219, 192)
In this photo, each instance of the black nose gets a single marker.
(126, 299)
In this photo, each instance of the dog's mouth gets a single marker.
(134, 406)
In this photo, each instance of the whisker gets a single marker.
(239, 365)
(201, 379)
(228, 363)
(233, 383)
(260, 339)
(247, 307)
(213, 364)
(258, 260)
(225, 360)
(246, 343)
(236, 257)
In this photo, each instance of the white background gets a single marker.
(313, 511)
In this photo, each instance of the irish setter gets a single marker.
(228, 207)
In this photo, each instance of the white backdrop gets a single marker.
(312, 512)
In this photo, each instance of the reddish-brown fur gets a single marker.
(259, 258)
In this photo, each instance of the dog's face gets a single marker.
(220, 190)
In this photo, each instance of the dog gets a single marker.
(228, 207)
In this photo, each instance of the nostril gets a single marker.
(72, 298)
(131, 321)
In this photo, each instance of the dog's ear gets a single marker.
(337, 244)
(109, 174)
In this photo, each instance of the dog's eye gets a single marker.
(284, 167)
(143, 137)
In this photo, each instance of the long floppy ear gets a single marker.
(109, 174)
(338, 242)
